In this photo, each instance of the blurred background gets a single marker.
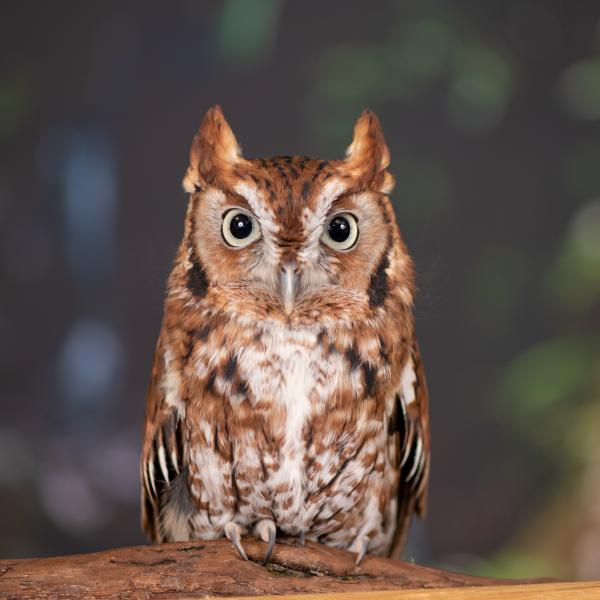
(492, 113)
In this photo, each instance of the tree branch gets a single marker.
(171, 571)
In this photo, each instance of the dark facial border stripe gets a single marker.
(378, 287)
(197, 281)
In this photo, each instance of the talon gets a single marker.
(267, 531)
(360, 547)
(301, 540)
(234, 532)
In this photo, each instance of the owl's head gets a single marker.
(294, 238)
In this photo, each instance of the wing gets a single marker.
(165, 496)
(409, 432)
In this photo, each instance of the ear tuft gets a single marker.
(214, 151)
(387, 183)
(368, 155)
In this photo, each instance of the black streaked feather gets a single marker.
(378, 286)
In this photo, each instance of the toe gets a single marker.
(360, 546)
(234, 532)
(267, 531)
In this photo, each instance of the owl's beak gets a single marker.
(288, 287)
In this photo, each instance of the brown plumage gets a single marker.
(287, 392)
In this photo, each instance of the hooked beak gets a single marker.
(288, 287)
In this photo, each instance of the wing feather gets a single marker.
(409, 432)
(162, 466)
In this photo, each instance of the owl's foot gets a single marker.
(267, 531)
(360, 546)
(301, 541)
(234, 532)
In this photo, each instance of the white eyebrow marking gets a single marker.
(313, 219)
(267, 221)
(331, 190)
(258, 204)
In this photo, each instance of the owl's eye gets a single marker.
(341, 232)
(239, 228)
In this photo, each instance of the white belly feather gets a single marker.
(286, 374)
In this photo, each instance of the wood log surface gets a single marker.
(201, 569)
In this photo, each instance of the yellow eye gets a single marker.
(341, 232)
(239, 228)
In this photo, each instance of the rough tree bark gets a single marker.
(170, 571)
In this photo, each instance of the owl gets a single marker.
(287, 395)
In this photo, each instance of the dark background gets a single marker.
(491, 111)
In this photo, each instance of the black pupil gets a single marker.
(240, 226)
(339, 229)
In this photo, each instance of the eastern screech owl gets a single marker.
(287, 393)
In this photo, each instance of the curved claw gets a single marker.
(271, 546)
(267, 531)
(234, 532)
(361, 546)
(301, 540)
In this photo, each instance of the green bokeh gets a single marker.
(247, 29)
